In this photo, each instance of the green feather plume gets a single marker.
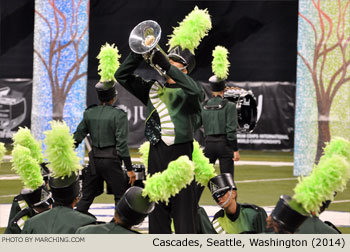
(25, 138)
(161, 186)
(144, 150)
(191, 30)
(108, 62)
(338, 146)
(220, 63)
(203, 170)
(329, 176)
(63, 160)
(2, 151)
(26, 167)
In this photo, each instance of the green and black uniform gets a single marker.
(313, 225)
(108, 128)
(219, 117)
(108, 228)
(247, 219)
(172, 111)
(58, 220)
(16, 224)
(18, 204)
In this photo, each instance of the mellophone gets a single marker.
(246, 108)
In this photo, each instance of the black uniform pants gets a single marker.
(221, 150)
(183, 206)
(109, 170)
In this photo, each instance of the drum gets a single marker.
(140, 171)
(246, 108)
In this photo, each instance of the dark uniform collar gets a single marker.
(234, 217)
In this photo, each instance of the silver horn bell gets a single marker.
(144, 37)
(144, 40)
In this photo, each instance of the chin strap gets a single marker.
(226, 201)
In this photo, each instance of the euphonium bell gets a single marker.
(144, 40)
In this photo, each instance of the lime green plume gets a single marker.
(108, 62)
(25, 138)
(338, 146)
(329, 176)
(220, 63)
(191, 30)
(2, 151)
(26, 167)
(144, 150)
(161, 186)
(203, 170)
(60, 150)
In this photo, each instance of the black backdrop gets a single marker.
(261, 35)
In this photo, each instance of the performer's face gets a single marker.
(180, 66)
(228, 199)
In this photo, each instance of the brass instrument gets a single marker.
(144, 40)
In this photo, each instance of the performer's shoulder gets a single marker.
(253, 207)
(219, 214)
(121, 108)
(91, 106)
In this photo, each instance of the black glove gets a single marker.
(159, 59)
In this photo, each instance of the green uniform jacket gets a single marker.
(18, 204)
(58, 220)
(221, 121)
(182, 100)
(204, 226)
(247, 219)
(108, 228)
(17, 222)
(313, 225)
(107, 126)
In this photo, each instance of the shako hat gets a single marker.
(187, 37)
(220, 67)
(220, 184)
(133, 208)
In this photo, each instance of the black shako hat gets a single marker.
(65, 189)
(220, 184)
(184, 57)
(287, 218)
(40, 197)
(106, 91)
(133, 208)
(217, 84)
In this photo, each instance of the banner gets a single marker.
(15, 106)
(275, 117)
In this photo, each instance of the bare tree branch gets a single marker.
(342, 80)
(52, 47)
(312, 25)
